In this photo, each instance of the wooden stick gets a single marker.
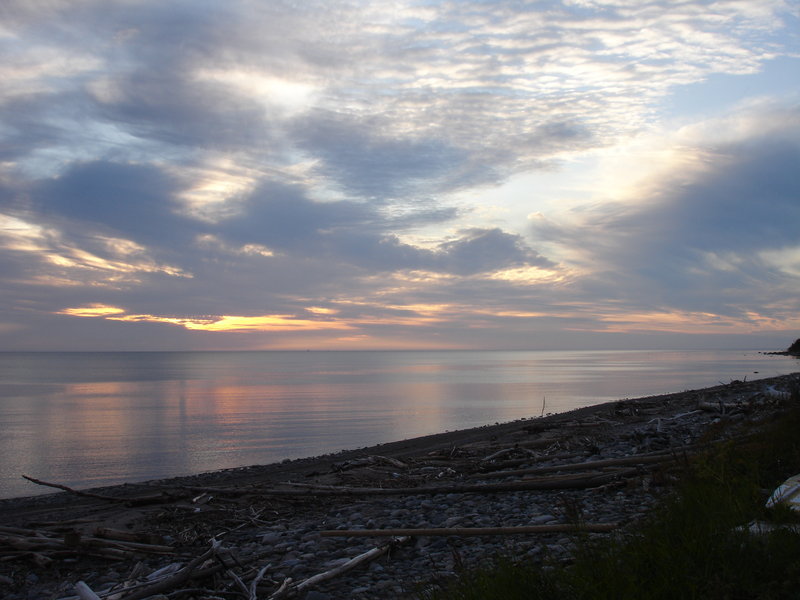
(348, 566)
(253, 595)
(596, 464)
(132, 546)
(505, 451)
(127, 536)
(581, 481)
(73, 491)
(134, 501)
(176, 579)
(399, 464)
(282, 590)
(471, 531)
(85, 592)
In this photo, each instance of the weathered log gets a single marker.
(515, 462)
(313, 491)
(127, 536)
(580, 481)
(178, 578)
(73, 491)
(472, 531)
(39, 559)
(351, 564)
(129, 546)
(399, 464)
(74, 541)
(718, 407)
(31, 543)
(85, 592)
(507, 451)
(21, 531)
(134, 501)
(253, 590)
(596, 464)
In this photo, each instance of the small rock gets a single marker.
(270, 538)
(543, 519)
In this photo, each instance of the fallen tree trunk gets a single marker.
(168, 583)
(471, 531)
(351, 564)
(580, 481)
(134, 501)
(597, 464)
(73, 491)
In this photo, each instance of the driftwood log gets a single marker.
(134, 501)
(578, 481)
(288, 588)
(175, 580)
(472, 531)
(644, 459)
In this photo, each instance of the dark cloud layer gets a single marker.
(134, 201)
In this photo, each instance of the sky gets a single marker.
(399, 174)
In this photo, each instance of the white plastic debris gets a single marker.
(787, 493)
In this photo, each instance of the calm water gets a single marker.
(88, 419)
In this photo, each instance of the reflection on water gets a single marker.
(86, 419)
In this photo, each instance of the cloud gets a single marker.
(134, 200)
(249, 159)
(698, 242)
(438, 95)
(488, 250)
(365, 159)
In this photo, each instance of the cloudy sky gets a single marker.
(347, 174)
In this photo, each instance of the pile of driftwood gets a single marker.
(43, 546)
(221, 569)
(219, 563)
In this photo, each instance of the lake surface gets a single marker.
(90, 419)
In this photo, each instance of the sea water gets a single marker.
(90, 419)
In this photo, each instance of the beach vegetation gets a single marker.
(698, 543)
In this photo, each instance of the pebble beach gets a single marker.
(387, 521)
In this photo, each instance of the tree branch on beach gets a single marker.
(130, 501)
(579, 481)
(472, 531)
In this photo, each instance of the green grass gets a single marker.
(691, 546)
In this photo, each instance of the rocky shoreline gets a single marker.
(272, 531)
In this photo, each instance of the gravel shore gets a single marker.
(264, 531)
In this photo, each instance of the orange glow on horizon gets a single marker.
(224, 323)
(93, 310)
(373, 329)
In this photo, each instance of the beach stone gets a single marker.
(452, 521)
(543, 519)
(270, 538)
